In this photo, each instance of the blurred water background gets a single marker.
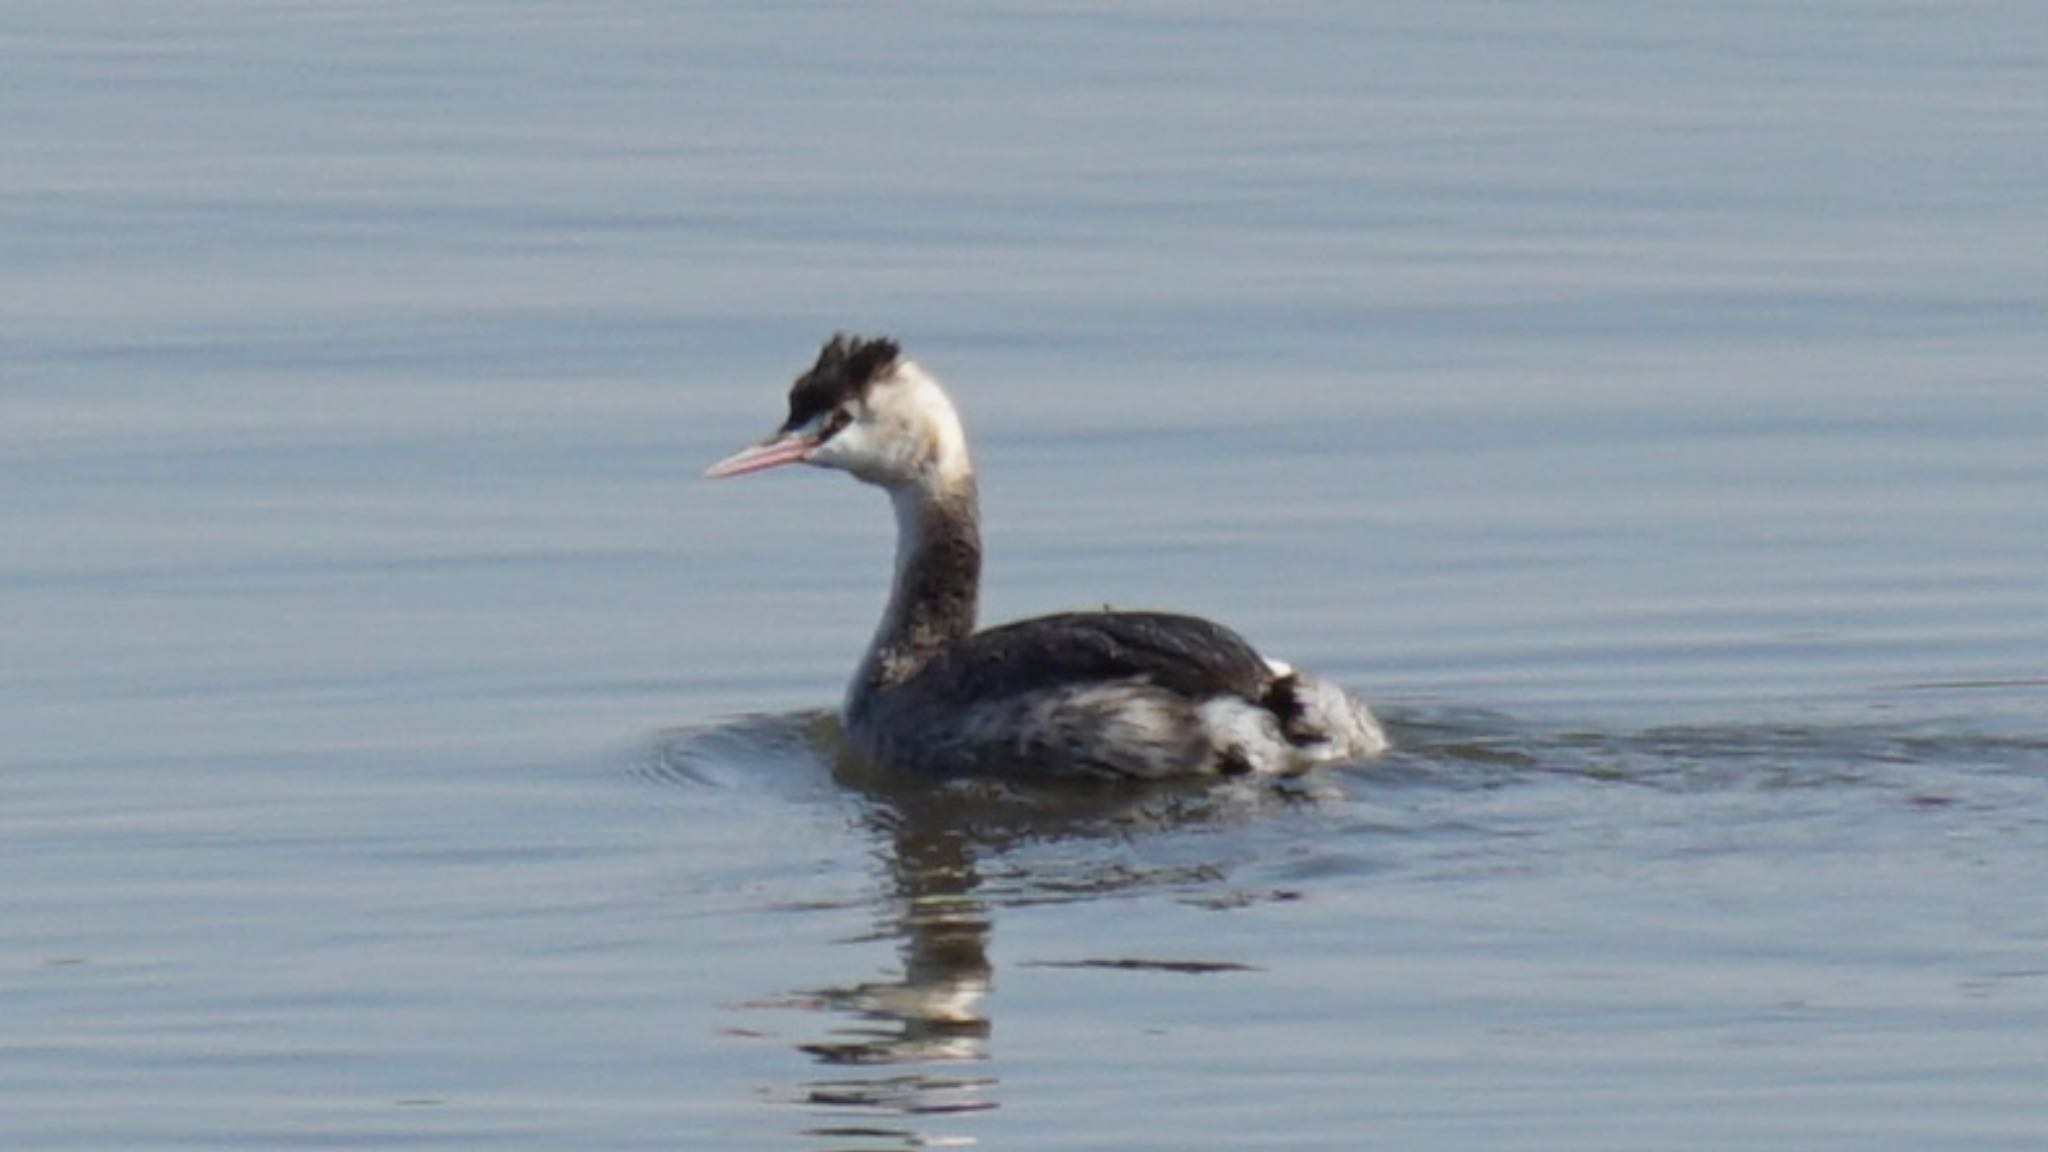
(1644, 406)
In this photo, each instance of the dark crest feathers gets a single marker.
(846, 366)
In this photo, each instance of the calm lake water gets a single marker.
(1645, 408)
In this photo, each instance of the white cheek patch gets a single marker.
(903, 432)
(842, 450)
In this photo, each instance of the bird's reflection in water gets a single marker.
(904, 1057)
(909, 1048)
(908, 1044)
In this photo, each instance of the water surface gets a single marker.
(403, 749)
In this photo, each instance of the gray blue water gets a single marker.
(400, 748)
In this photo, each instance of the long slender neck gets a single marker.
(938, 581)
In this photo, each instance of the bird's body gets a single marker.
(1109, 695)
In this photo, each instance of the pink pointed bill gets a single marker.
(769, 454)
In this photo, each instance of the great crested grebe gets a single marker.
(1107, 695)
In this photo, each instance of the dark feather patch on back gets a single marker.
(1186, 655)
(847, 365)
